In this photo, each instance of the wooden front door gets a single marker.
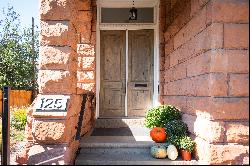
(113, 73)
(115, 86)
(140, 71)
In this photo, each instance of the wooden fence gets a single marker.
(18, 98)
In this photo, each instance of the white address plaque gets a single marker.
(52, 103)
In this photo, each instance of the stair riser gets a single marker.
(115, 150)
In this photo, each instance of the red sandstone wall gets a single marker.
(206, 74)
(86, 31)
(67, 67)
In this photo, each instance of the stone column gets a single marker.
(66, 67)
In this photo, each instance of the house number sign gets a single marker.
(55, 103)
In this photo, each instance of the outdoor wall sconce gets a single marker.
(133, 13)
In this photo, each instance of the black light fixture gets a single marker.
(133, 13)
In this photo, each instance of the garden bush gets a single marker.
(18, 118)
(176, 128)
(161, 115)
(186, 143)
(182, 142)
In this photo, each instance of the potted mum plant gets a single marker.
(186, 145)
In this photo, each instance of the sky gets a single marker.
(25, 8)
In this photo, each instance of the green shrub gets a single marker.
(182, 142)
(161, 115)
(186, 143)
(18, 118)
(175, 140)
(176, 128)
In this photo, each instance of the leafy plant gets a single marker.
(176, 128)
(183, 142)
(16, 52)
(161, 115)
(18, 118)
(186, 143)
(175, 140)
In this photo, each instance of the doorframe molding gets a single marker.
(131, 26)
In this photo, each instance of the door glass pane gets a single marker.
(121, 15)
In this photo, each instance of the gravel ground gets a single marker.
(16, 148)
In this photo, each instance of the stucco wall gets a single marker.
(206, 74)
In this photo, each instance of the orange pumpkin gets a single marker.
(158, 134)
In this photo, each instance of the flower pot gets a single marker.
(185, 155)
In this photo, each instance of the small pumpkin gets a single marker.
(172, 152)
(159, 151)
(158, 134)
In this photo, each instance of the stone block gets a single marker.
(57, 10)
(198, 106)
(49, 130)
(167, 62)
(55, 33)
(218, 84)
(57, 58)
(74, 106)
(230, 154)
(176, 88)
(84, 29)
(198, 65)
(87, 50)
(229, 108)
(84, 16)
(202, 85)
(173, 26)
(83, 4)
(193, 27)
(71, 124)
(85, 76)
(218, 108)
(56, 82)
(237, 132)
(221, 154)
(93, 37)
(85, 87)
(168, 75)
(239, 85)
(86, 63)
(196, 5)
(211, 131)
(236, 36)
(229, 11)
(162, 62)
(179, 71)
(177, 101)
(232, 61)
(211, 37)
(169, 47)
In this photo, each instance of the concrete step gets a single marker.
(127, 159)
(115, 144)
(115, 141)
(119, 122)
(121, 146)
